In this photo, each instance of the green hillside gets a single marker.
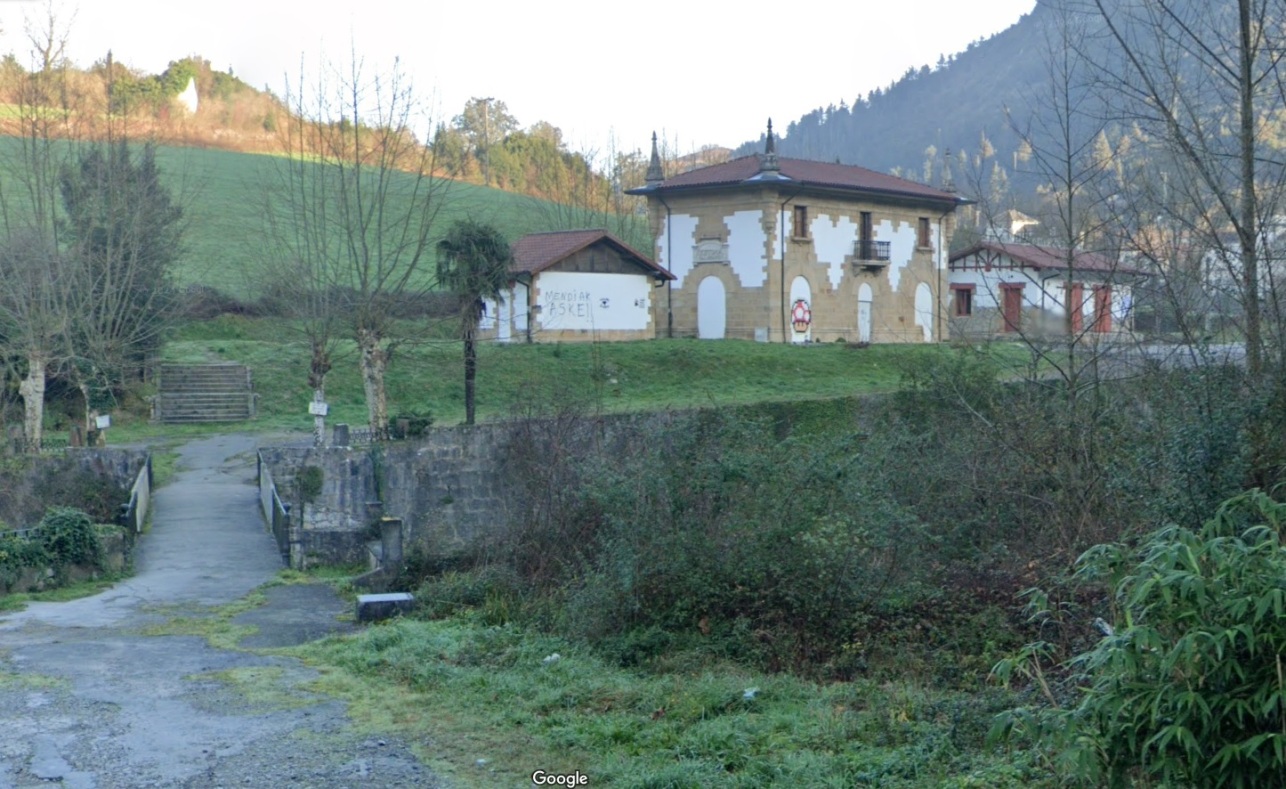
(223, 195)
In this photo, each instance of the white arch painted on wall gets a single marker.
(864, 298)
(799, 289)
(924, 310)
(712, 309)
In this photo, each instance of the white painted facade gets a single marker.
(747, 248)
(577, 301)
(751, 247)
(1042, 290)
(676, 247)
(833, 240)
(1045, 296)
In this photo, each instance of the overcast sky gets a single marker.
(697, 72)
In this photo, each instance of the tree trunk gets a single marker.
(317, 370)
(374, 361)
(470, 372)
(319, 420)
(1248, 231)
(32, 389)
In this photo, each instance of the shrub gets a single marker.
(17, 554)
(68, 537)
(1188, 689)
(773, 550)
(308, 483)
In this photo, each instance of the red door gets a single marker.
(1076, 306)
(1012, 306)
(1102, 308)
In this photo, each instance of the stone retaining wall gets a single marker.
(454, 489)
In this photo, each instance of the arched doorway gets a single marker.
(712, 309)
(801, 310)
(924, 310)
(864, 298)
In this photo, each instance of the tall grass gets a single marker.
(498, 703)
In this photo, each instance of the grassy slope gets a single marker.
(609, 376)
(223, 194)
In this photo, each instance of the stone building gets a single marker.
(575, 285)
(789, 250)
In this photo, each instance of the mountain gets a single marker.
(947, 107)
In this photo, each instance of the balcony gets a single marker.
(870, 255)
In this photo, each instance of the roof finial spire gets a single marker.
(655, 174)
(769, 161)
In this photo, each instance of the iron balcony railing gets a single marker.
(867, 249)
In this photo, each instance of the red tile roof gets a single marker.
(536, 252)
(1041, 257)
(803, 172)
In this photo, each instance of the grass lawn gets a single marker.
(606, 377)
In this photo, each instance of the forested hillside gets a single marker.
(482, 144)
(952, 105)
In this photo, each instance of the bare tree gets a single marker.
(1066, 148)
(48, 30)
(302, 271)
(1198, 79)
(35, 301)
(596, 198)
(354, 209)
(35, 319)
(1056, 425)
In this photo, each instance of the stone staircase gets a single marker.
(203, 393)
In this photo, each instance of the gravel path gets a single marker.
(87, 700)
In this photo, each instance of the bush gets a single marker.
(68, 537)
(1188, 690)
(17, 554)
(771, 550)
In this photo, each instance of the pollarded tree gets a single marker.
(356, 209)
(473, 264)
(35, 319)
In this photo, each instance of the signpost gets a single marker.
(318, 408)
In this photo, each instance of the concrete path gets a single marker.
(87, 699)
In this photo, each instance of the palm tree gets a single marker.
(473, 263)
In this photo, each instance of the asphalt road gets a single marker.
(89, 700)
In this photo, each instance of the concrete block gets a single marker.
(374, 607)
